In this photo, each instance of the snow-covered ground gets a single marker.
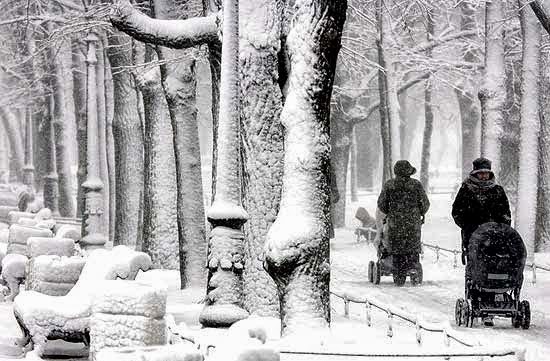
(432, 301)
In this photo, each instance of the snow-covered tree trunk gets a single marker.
(109, 140)
(79, 95)
(542, 229)
(387, 51)
(64, 123)
(28, 169)
(4, 154)
(340, 131)
(297, 246)
(51, 189)
(428, 111)
(262, 136)
(160, 225)
(128, 135)
(179, 82)
(224, 302)
(530, 126)
(492, 94)
(368, 152)
(9, 121)
(353, 166)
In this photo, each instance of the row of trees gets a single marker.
(121, 79)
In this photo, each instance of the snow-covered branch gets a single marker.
(411, 82)
(176, 34)
(542, 11)
(427, 45)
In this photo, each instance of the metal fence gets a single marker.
(473, 347)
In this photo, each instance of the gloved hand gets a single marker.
(463, 257)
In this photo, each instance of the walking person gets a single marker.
(479, 200)
(405, 203)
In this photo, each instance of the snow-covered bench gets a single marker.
(43, 317)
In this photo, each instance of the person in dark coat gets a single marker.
(405, 204)
(479, 200)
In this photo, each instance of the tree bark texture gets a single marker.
(160, 227)
(128, 135)
(51, 189)
(353, 167)
(428, 113)
(262, 136)
(4, 154)
(297, 247)
(15, 142)
(79, 95)
(109, 141)
(340, 132)
(179, 82)
(468, 105)
(368, 152)
(493, 92)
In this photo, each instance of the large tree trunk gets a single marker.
(128, 134)
(79, 95)
(179, 82)
(51, 189)
(368, 153)
(530, 126)
(340, 131)
(160, 226)
(63, 123)
(493, 92)
(353, 166)
(298, 257)
(4, 153)
(542, 229)
(428, 112)
(224, 303)
(10, 123)
(262, 136)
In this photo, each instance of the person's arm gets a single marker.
(504, 208)
(424, 201)
(383, 200)
(459, 207)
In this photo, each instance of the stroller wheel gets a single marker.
(398, 278)
(458, 311)
(525, 312)
(376, 273)
(370, 272)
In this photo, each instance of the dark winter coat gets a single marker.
(478, 202)
(405, 203)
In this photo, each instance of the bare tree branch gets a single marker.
(176, 34)
(542, 11)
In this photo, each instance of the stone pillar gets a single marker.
(28, 168)
(93, 231)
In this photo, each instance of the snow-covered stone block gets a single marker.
(5, 211)
(15, 216)
(73, 232)
(18, 236)
(44, 317)
(29, 222)
(13, 273)
(127, 313)
(43, 214)
(150, 353)
(130, 298)
(53, 275)
(39, 246)
(46, 223)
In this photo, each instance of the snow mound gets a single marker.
(38, 246)
(17, 241)
(180, 352)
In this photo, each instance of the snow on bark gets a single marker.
(428, 113)
(529, 128)
(160, 228)
(79, 95)
(262, 134)
(51, 191)
(9, 121)
(179, 82)
(4, 168)
(224, 302)
(297, 246)
(176, 34)
(128, 133)
(542, 11)
(493, 91)
(340, 137)
(109, 139)
(390, 80)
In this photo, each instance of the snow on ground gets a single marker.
(434, 300)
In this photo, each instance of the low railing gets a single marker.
(474, 347)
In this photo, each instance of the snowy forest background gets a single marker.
(456, 79)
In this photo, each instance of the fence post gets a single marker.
(418, 332)
(455, 262)
(437, 253)
(346, 307)
(534, 267)
(390, 324)
(367, 311)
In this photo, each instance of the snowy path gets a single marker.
(435, 299)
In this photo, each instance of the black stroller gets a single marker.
(494, 276)
(384, 264)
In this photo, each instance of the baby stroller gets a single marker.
(384, 264)
(494, 276)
